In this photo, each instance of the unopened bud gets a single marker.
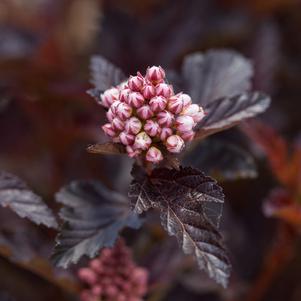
(145, 112)
(118, 124)
(165, 133)
(109, 97)
(158, 103)
(195, 111)
(155, 74)
(126, 138)
(174, 144)
(164, 90)
(187, 136)
(186, 99)
(142, 141)
(124, 94)
(165, 118)
(152, 128)
(87, 275)
(110, 115)
(124, 111)
(175, 104)
(149, 91)
(184, 123)
(109, 130)
(135, 99)
(135, 83)
(133, 125)
(154, 155)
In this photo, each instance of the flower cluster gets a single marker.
(113, 276)
(145, 115)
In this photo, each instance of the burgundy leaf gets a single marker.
(93, 217)
(229, 111)
(104, 74)
(190, 205)
(216, 74)
(108, 148)
(221, 160)
(15, 194)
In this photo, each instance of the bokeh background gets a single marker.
(47, 120)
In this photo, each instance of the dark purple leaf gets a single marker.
(104, 74)
(221, 160)
(229, 111)
(108, 148)
(15, 194)
(216, 74)
(93, 217)
(190, 205)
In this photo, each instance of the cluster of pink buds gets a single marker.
(113, 276)
(146, 116)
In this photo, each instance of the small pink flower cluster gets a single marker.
(144, 114)
(113, 276)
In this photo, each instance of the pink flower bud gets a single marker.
(187, 136)
(109, 97)
(124, 111)
(110, 115)
(121, 297)
(152, 128)
(165, 118)
(124, 95)
(154, 155)
(132, 152)
(149, 91)
(126, 138)
(111, 291)
(87, 275)
(165, 133)
(195, 111)
(175, 104)
(174, 144)
(184, 123)
(97, 290)
(185, 98)
(158, 103)
(96, 265)
(135, 99)
(164, 90)
(135, 83)
(145, 112)
(109, 130)
(114, 106)
(155, 74)
(142, 141)
(133, 125)
(117, 124)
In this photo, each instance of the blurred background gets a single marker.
(47, 120)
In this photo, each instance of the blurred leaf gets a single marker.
(108, 148)
(221, 160)
(93, 217)
(275, 148)
(15, 194)
(227, 112)
(27, 246)
(104, 74)
(282, 205)
(184, 198)
(216, 74)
